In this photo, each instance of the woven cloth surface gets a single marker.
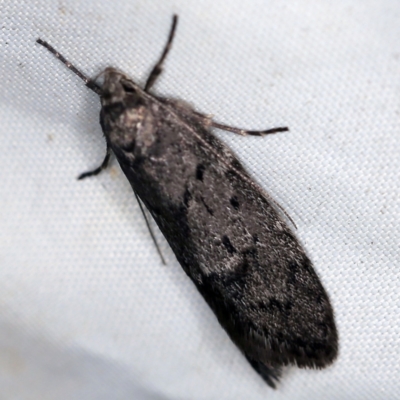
(87, 310)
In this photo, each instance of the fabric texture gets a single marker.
(87, 310)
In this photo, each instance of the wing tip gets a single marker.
(270, 375)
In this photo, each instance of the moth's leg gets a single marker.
(242, 132)
(103, 165)
(207, 121)
(158, 67)
(149, 228)
(91, 84)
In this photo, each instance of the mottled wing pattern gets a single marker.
(230, 240)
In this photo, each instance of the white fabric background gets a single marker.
(87, 310)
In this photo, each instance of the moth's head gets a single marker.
(125, 116)
(122, 101)
(117, 87)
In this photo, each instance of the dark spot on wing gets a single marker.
(227, 243)
(200, 172)
(187, 196)
(234, 202)
(209, 210)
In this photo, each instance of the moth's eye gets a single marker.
(128, 88)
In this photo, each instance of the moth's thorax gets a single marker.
(127, 119)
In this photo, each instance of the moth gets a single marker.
(226, 232)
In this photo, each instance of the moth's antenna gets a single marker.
(156, 71)
(91, 84)
(149, 228)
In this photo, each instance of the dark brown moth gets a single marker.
(224, 230)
